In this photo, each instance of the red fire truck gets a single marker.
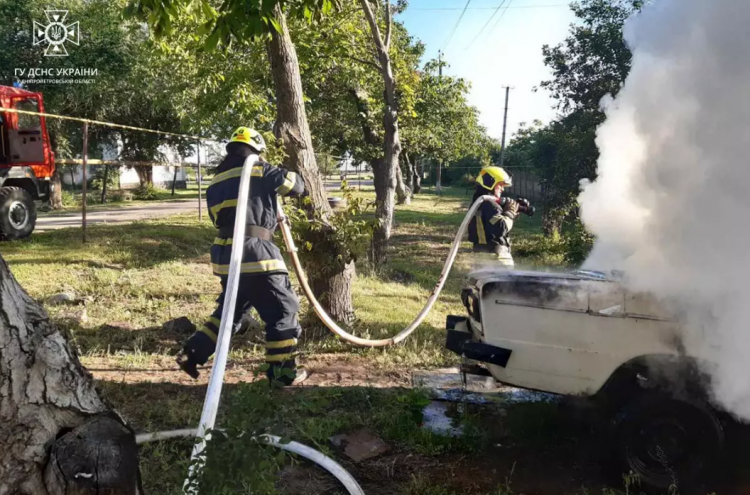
(27, 163)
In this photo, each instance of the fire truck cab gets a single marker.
(27, 162)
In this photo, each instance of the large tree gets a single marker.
(129, 87)
(58, 436)
(443, 127)
(591, 63)
(238, 28)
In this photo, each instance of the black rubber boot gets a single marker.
(188, 365)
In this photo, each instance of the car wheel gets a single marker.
(670, 444)
(17, 213)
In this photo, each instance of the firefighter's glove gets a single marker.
(510, 208)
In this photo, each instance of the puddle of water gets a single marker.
(448, 385)
(435, 418)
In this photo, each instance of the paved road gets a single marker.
(125, 214)
(128, 214)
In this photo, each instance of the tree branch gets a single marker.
(377, 39)
(366, 62)
(388, 24)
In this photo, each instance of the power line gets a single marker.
(456, 26)
(448, 9)
(486, 24)
(499, 18)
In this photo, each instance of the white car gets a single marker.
(581, 334)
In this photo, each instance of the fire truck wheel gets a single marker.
(17, 213)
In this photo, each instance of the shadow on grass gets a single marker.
(547, 449)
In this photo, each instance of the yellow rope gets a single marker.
(107, 124)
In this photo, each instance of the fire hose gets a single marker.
(343, 334)
(210, 406)
(308, 453)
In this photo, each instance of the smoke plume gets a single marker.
(671, 204)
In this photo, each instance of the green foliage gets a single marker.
(592, 62)
(146, 192)
(69, 199)
(443, 126)
(235, 20)
(594, 59)
(113, 179)
(578, 243)
(238, 459)
(326, 247)
(134, 85)
(119, 196)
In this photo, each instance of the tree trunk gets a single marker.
(292, 128)
(44, 394)
(438, 176)
(291, 123)
(145, 175)
(55, 197)
(408, 177)
(335, 293)
(174, 180)
(416, 176)
(385, 174)
(104, 183)
(402, 191)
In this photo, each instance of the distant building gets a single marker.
(162, 175)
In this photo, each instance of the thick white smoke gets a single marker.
(671, 204)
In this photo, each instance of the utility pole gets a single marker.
(505, 125)
(440, 163)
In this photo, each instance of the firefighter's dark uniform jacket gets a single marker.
(266, 182)
(264, 281)
(489, 228)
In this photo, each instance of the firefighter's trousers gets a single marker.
(274, 299)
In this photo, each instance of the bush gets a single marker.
(113, 180)
(578, 243)
(147, 192)
(69, 199)
(119, 196)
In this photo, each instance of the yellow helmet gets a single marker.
(250, 137)
(490, 177)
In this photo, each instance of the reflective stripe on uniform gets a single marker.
(497, 218)
(257, 171)
(279, 357)
(207, 331)
(233, 172)
(229, 203)
(480, 230)
(288, 184)
(281, 344)
(215, 321)
(251, 267)
(222, 242)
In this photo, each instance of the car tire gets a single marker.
(672, 445)
(17, 213)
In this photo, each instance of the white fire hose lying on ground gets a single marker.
(308, 453)
(211, 404)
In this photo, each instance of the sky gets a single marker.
(507, 53)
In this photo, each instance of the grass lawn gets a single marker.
(133, 278)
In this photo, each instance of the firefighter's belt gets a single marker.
(250, 231)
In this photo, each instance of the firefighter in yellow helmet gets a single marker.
(264, 280)
(489, 228)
